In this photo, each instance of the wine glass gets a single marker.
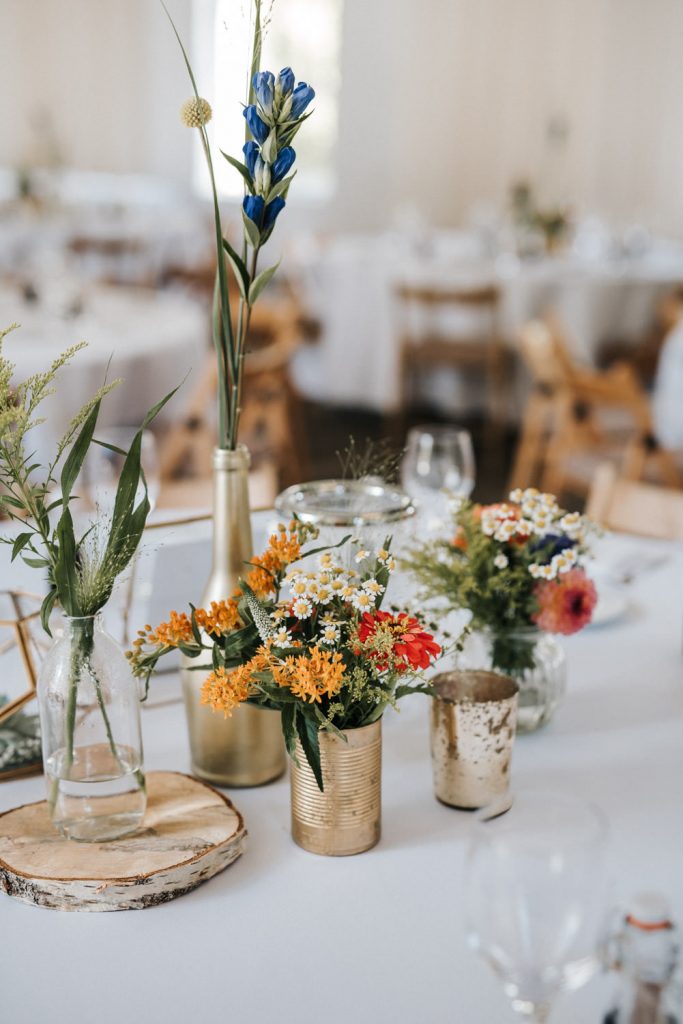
(437, 470)
(536, 896)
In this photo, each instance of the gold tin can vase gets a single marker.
(345, 818)
(473, 719)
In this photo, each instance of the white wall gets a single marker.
(443, 102)
(108, 75)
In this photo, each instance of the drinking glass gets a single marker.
(536, 896)
(437, 469)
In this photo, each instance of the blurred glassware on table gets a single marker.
(103, 466)
(437, 469)
(536, 896)
(534, 658)
(645, 951)
(369, 508)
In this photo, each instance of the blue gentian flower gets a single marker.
(283, 162)
(264, 87)
(301, 97)
(552, 544)
(285, 81)
(258, 128)
(251, 151)
(272, 210)
(253, 207)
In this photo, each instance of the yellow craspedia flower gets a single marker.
(195, 112)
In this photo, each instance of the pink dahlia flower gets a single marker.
(565, 605)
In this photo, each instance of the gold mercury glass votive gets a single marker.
(345, 818)
(473, 722)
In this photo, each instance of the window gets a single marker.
(304, 34)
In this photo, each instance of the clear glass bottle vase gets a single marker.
(89, 709)
(534, 659)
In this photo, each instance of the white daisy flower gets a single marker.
(362, 602)
(281, 638)
(362, 555)
(501, 561)
(298, 587)
(383, 555)
(349, 592)
(323, 596)
(328, 619)
(302, 608)
(373, 587)
(325, 561)
(337, 585)
(330, 634)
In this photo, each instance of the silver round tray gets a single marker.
(345, 503)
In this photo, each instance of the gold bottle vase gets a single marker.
(346, 817)
(246, 749)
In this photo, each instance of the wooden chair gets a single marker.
(577, 417)
(631, 507)
(428, 348)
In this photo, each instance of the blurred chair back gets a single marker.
(270, 422)
(427, 342)
(631, 507)
(117, 261)
(576, 417)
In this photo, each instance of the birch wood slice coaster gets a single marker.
(190, 833)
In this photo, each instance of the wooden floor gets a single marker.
(329, 429)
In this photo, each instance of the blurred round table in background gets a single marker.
(149, 339)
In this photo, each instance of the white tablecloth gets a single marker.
(152, 339)
(286, 936)
(351, 287)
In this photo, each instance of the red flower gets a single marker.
(565, 605)
(412, 646)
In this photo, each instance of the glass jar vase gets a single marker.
(534, 659)
(89, 709)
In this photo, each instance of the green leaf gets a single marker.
(79, 449)
(308, 737)
(239, 166)
(35, 563)
(251, 230)
(240, 271)
(260, 282)
(289, 729)
(65, 566)
(280, 188)
(20, 542)
(195, 628)
(8, 499)
(45, 610)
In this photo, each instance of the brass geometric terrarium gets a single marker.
(20, 649)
